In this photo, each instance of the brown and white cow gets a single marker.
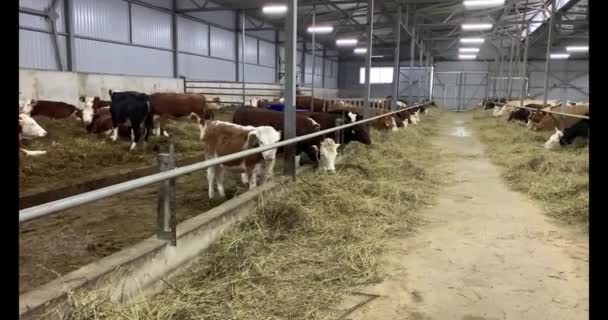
(29, 129)
(102, 124)
(224, 138)
(544, 121)
(50, 109)
(89, 105)
(176, 105)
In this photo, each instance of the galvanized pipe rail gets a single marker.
(91, 196)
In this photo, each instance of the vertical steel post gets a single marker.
(525, 62)
(277, 56)
(419, 91)
(428, 73)
(166, 199)
(397, 32)
(412, 54)
(339, 133)
(243, 52)
(68, 10)
(323, 68)
(289, 114)
(237, 57)
(510, 68)
(548, 57)
(368, 57)
(518, 58)
(174, 36)
(432, 80)
(314, 63)
(500, 69)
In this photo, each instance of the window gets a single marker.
(378, 75)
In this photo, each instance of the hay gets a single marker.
(560, 178)
(300, 251)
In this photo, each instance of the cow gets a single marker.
(327, 120)
(327, 154)
(176, 105)
(50, 109)
(544, 121)
(90, 104)
(224, 138)
(133, 109)
(29, 129)
(102, 124)
(567, 136)
(256, 117)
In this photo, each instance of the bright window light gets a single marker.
(377, 75)
(346, 42)
(473, 50)
(483, 3)
(360, 50)
(472, 40)
(476, 26)
(577, 48)
(274, 9)
(320, 29)
(559, 56)
(467, 56)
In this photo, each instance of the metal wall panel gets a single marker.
(222, 43)
(203, 68)
(166, 4)
(107, 19)
(327, 68)
(192, 36)
(267, 54)
(32, 21)
(331, 83)
(308, 62)
(251, 49)
(335, 68)
(220, 18)
(258, 74)
(104, 57)
(36, 50)
(319, 65)
(151, 27)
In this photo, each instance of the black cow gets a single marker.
(133, 109)
(580, 129)
(327, 120)
(520, 114)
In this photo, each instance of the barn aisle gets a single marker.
(486, 253)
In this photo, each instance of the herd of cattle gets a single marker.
(133, 114)
(540, 117)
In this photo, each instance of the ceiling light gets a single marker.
(472, 40)
(559, 55)
(320, 29)
(467, 56)
(476, 26)
(274, 9)
(377, 56)
(474, 50)
(483, 3)
(360, 50)
(577, 49)
(346, 42)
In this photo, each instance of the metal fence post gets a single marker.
(339, 134)
(166, 199)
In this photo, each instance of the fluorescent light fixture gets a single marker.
(360, 50)
(473, 50)
(377, 56)
(467, 56)
(346, 42)
(274, 9)
(472, 40)
(476, 26)
(577, 48)
(483, 3)
(559, 55)
(320, 29)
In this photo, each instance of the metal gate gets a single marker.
(420, 76)
(460, 90)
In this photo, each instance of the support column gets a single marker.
(68, 9)
(510, 69)
(314, 63)
(174, 38)
(500, 69)
(368, 57)
(548, 58)
(396, 72)
(495, 76)
(412, 54)
(289, 114)
(420, 76)
(525, 62)
(243, 52)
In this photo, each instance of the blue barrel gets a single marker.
(281, 107)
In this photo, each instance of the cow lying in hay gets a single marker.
(224, 138)
(567, 136)
(29, 129)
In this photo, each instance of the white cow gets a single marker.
(553, 141)
(29, 129)
(328, 153)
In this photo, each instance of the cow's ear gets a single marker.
(33, 102)
(253, 138)
(81, 98)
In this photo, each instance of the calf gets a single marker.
(263, 117)
(29, 129)
(133, 109)
(327, 154)
(224, 138)
(177, 105)
(52, 109)
(90, 104)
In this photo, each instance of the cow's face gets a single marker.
(263, 136)
(328, 153)
(26, 105)
(254, 102)
(29, 127)
(356, 133)
(553, 141)
(86, 107)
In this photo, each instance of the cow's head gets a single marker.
(26, 105)
(356, 133)
(29, 127)
(263, 136)
(254, 102)
(87, 108)
(553, 141)
(282, 100)
(327, 154)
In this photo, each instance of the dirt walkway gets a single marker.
(487, 252)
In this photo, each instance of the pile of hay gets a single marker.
(560, 178)
(303, 248)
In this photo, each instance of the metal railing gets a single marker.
(166, 213)
(542, 110)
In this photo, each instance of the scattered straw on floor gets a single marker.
(559, 178)
(301, 251)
